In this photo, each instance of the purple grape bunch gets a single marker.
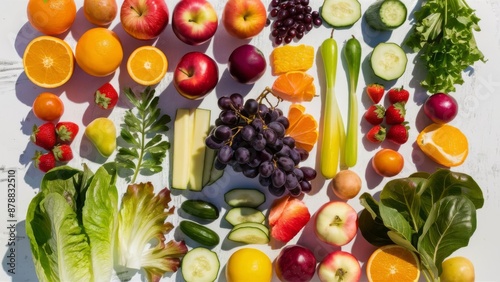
(291, 19)
(249, 136)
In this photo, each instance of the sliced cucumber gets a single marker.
(341, 13)
(199, 233)
(248, 235)
(240, 215)
(388, 61)
(386, 14)
(200, 208)
(200, 265)
(260, 226)
(241, 197)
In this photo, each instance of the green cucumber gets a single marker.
(200, 208)
(241, 197)
(341, 13)
(388, 61)
(386, 14)
(239, 215)
(200, 265)
(199, 233)
(260, 226)
(248, 235)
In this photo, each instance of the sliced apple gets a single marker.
(287, 217)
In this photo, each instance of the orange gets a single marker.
(303, 127)
(51, 17)
(147, 65)
(294, 86)
(444, 143)
(292, 58)
(249, 265)
(48, 61)
(48, 106)
(388, 162)
(99, 51)
(392, 263)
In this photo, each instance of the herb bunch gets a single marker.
(142, 132)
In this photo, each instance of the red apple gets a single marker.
(287, 216)
(339, 266)
(194, 22)
(196, 75)
(336, 223)
(244, 18)
(295, 263)
(246, 64)
(144, 19)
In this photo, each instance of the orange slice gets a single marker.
(303, 127)
(443, 143)
(48, 61)
(295, 86)
(147, 65)
(392, 263)
(292, 58)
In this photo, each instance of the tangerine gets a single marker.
(48, 106)
(51, 17)
(294, 86)
(444, 143)
(387, 162)
(392, 263)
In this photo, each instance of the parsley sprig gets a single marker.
(142, 132)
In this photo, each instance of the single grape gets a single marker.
(237, 100)
(251, 106)
(291, 181)
(278, 178)
(254, 162)
(289, 141)
(298, 173)
(277, 146)
(278, 127)
(264, 181)
(270, 135)
(315, 14)
(228, 117)
(309, 173)
(295, 192)
(273, 114)
(222, 132)
(258, 124)
(218, 165)
(264, 155)
(224, 103)
(285, 163)
(258, 142)
(213, 143)
(284, 152)
(225, 154)
(276, 191)
(275, 3)
(250, 172)
(237, 167)
(263, 110)
(304, 154)
(305, 186)
(278, 40)
(266, 168)
(288, 22)
(295, 156)
(317, 21)
(247, 132)
(242, 155)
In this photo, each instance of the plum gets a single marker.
(295, 263)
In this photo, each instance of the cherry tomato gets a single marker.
(48, 106)
(387, 162)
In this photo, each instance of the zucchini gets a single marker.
(200, 265)
(239, 215)
(199, 233)
(241, 197)
(248, 235)
(260, 226)
(386, 14)
(341, 13)
(200, 208)
(388, 61)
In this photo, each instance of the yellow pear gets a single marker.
(100, 12)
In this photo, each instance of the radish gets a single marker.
(441, 108)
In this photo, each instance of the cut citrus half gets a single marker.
(295, 86)
(303, 127)
(147, 65)
(292, 58)
(443, 143)
(392, 263)
(48, 61)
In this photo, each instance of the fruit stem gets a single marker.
(336, 220)
(340, 273)
(135, 10)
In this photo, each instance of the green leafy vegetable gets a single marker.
(142, 220)
(141, 130)
(444, 33)
(431, 214)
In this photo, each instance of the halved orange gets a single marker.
(294, 86)
(48, 61)
(303, 127)
(392, 263)
(291, 58)
(147, 65)
(444, 143)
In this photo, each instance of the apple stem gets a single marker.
(340, 273)
(135, 10)
(336, 220)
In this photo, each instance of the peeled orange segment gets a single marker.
(294, 86)
(392, 263)
(295, 112)
(306, 140)
(292, 58)
(303, 127)
(147, 65)
(48, 61)
(443, 143)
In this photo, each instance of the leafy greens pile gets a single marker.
(430, 214)
(76, 227)
(443, 33)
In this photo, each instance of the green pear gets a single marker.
(100, 12)
(102, 133)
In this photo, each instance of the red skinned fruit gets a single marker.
(375, 91)
(287, 216)
(66, 132)
(398, 133)
(376, 134)
(63, 153)
(295, 263)
(44, 135)
(44, 161)
(339, 266)
(398, 95)
(395, 114)
(106, 96)
(375, 114)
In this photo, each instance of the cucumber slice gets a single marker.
(200, 265)
(239, 215)
(260, 226)
(388, 61)
(241, 197)
(341, 13)
(386, 14)
(248, 235)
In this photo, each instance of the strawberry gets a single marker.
(398, 95)
(398, 133)
(376, 134)
(375, 91)
(63, 153)
(66, 132)
(44, 135)
(375, 114)
(106, 96)
(44, 161)
(395, 114)
(288, 215)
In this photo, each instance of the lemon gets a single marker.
(249, 265)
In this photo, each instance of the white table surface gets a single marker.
(478, 100)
